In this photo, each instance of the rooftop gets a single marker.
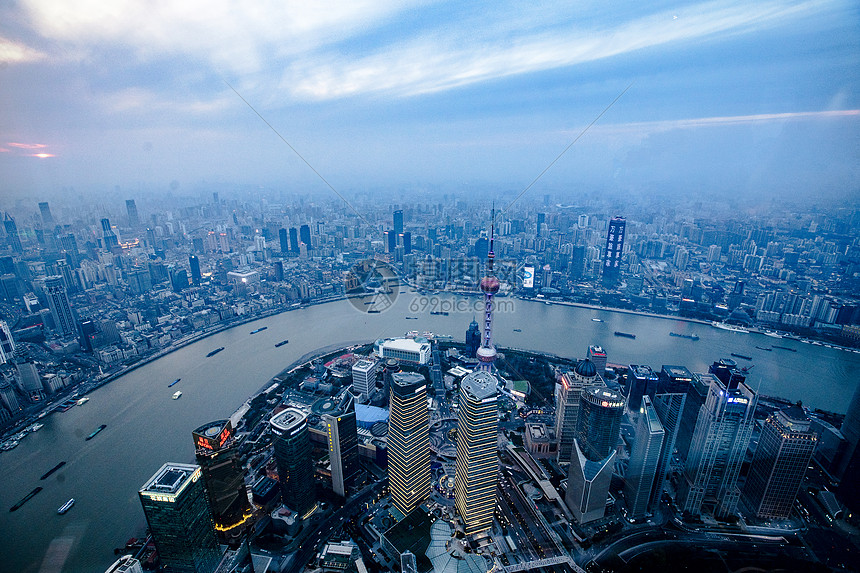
(480, 385)
(170, 479)
(288, 419)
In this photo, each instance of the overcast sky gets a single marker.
(732, 97)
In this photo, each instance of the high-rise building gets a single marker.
(848, 467)
(679, 380)
(224, 477)
(342, 435)
(594, 450)
(12, 233)
(8, 397)
(477, 461)
(720, 440)
(473, 339)
(614, 250)
(784, 449)
(284, 240)
(294, 240)
(644, 460)
(293, 458)
(109, 236)
(194, 264)
(7, 343)
(58, 302)
(364, 377)
(598, 356)
(47, 217)
(390, 240)
(408, 441)
(669, 408)
(641, 380)
(406, 241)
(305, 236)
(174, 502)
(567, 394)
(125, 564)
(131, 209)
(398, 222)
(490, 285)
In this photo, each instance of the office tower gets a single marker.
(305, 235)
(477, 461)
(406, 240)
(398, 222)
(174, 502)
(58, 302)
(293, 457)
(178, 279)
(784, 450)
(598, 356)
(669, 408)
(125, 564)
(342, 433)
(848, 468)
(389, 369)
(597, 430)
(486, 354)
(131, 209)
(110, 238)
(541, 219)
(408, 563)
(47, 217)
(279, 270)
(644, 460)
(194, 264)
(641, 380)
(614, 250)
(12, 233)
(473, 339)
(722, 434)
(390, 241)
(8, 397)
(679, 380)
(218, 457)
(408, 441)
(568, 391)
(364, 377)
(7, 343)
(284, 240)
(294, 240)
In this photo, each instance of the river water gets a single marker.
(146, 428)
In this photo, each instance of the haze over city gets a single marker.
(733, 98)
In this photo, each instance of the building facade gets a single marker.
(342, 437)
(58, 302)
(568, 392)
(644, 460)
(293, 458)
(614, 250)
(408, 441)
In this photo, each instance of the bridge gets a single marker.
(538, 563)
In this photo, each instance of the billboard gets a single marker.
(528, 277)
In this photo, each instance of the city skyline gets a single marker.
(747, 98)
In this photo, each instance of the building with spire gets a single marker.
(486, 354)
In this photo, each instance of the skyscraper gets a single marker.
(644, 460)
(597, 431)
(47, 217)
(224, 476)
(486, 354)
(293, 457)
(597, 355)
(109, 237)
(641, 380)
(784, 449)
(364, 377)
(398, 222)
(194, 264)
(722, 433)
(174, 502)
(58, 302)
(614, 250)
(567, 394)
(131, 209)
(473, 339)
(284, 241)
(7, 343)
(305, 235)
(408, 441)
(477, 461)
(342, 435)
(12, 233)
(669, 408)
(294, 240)
(848, 469)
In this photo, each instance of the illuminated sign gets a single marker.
(528, 277)
(737, 401)
(216, 440)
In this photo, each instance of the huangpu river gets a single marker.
(146, 428)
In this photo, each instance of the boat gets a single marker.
(596, 320)
(744, 356)
(95, 432)
(772, 334)
(518, 330)
(177, 394)
(687, 336)
(9, 445)
(214, 352)
(48, 473)
(261, 329)
(36, 427)
(373, 311)
(82, 401)
(281, 343)
(25, 499)
(624, 334)
(765, 349)
(66, 506)
(785, 348)
(730, 327)
(439, 312)
(411, 318)
(172, 384)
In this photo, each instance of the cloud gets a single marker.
(27, 145)
(12, 52)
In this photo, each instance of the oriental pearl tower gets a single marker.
(490, 286)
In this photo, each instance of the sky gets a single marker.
(732, 98)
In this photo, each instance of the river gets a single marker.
(146, 428)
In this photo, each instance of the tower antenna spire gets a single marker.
(490, 286)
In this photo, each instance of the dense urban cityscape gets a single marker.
(422, 452)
